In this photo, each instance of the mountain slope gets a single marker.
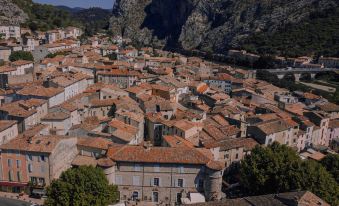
(69, 9)
(319, 35)
(42, 16)
(209, 25)
(11, 14)
(93, 19)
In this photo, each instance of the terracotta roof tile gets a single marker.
(165, 155)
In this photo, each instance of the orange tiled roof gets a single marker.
(165, 155)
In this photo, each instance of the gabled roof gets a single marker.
(45, 144)
(164, 155)
(5, 124)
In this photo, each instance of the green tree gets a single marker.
(278, 168)
(85, 185)
(21, 55)
(265, 62)
(331, 163)
(313, 177)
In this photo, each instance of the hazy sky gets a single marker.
(106, 4)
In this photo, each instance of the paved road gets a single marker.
(321, 87)
(10, 202)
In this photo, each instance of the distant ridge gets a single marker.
(69, 9)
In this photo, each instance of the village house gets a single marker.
(321, 121)
(5, 52)
(30, 43)
(232, 150)
(58, 123)
(72, 32)
(242, 55)
(333, 130)
(123, 133)
(73, 84)
(8, 131)
(131, 118)
(329, 62)
(6, 71)
(101, 108)
(53, 95)
(271, 131)
(330, 108)
(10, 31)
(283, 199)
(222, 81)
(123, 78)
(164, 174)
(27, 113)
(90, 150)
(23, 67)
(37, 159)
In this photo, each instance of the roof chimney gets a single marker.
(147, 145)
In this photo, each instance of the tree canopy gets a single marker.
(277, 168)
(21, 55)
(318, 34)
(331, 163)
(85, 185)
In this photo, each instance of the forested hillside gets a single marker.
(318, 34)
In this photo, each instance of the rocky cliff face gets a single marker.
(208, 25)
(11, 14)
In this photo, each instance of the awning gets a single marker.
(39, 191)
(13, 184)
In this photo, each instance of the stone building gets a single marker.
(37, 159)
(164, 175)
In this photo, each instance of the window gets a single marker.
(18, 174)
(10, 176)
(34, 180)
(9, 161)
(135, 195)
(118, 179)
(180, 183)
(41, 181)
(226, 156)
(42, 157)
(137, 168)
(30, 168)
(179, 195)
(18, 163)
(136, 180)
(156, 181)
(236, 156)
(155, 197)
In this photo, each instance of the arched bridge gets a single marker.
(297, 72)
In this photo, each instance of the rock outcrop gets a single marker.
(207, 25)
(11, 14)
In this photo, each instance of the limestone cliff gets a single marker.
(11, 14)
(208, 25)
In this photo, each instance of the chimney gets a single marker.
(147, 145)
(30, 140)
(47, 82)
